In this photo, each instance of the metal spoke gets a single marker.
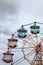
(39, 23)
(22, 57)
(28, 24)
(31, 37)
(29, 43)
(33, 61)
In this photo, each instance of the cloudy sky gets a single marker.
(14, 13)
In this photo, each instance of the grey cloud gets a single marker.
(6, 9)
(15, 11)
(11, 7)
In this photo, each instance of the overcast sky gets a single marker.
(14, 13)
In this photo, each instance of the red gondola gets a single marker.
(8, 57)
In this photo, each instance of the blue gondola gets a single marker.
(22, 32)
(35, 29)
(22, 35)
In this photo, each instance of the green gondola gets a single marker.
(35, 29)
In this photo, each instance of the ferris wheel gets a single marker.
(29, 42)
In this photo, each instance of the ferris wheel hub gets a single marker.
(38, 48)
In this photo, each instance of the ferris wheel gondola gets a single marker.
(22, 32)
(35, 29)
(8, 56)
(12, 42)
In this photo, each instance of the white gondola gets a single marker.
(12, 42)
